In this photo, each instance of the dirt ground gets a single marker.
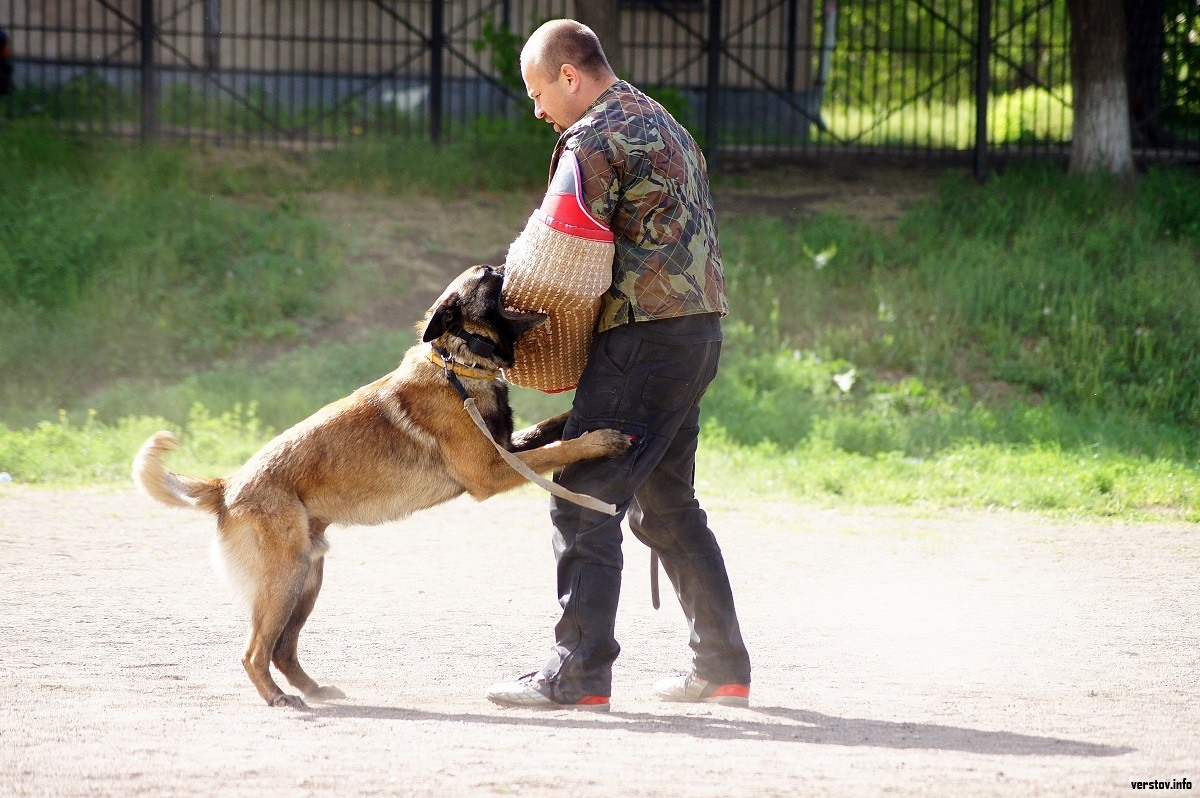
(403, 251)
(895, 653)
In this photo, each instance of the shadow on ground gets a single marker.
(779, 724)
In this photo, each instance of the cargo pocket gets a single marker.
(666, 393)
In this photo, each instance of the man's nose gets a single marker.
(538, 111)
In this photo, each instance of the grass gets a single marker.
(1074, 290)
(110, 257)
(76, 451)
(1024, 344)
(1017, 118)
(1044, 479)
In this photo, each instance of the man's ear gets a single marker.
(523, 320)
(442, 318)
(569, 72)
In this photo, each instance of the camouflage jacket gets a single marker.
(643, 175)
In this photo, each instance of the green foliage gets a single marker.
(1038, 321)
(1026, 343)
(86, 97)
(106, 250)
(1181, 66)
(1066, 288)
(1170, 200)
(284, 390)
(493, 155)
(70, 451)
(892, 47)
(504, 54)
(1042, 478)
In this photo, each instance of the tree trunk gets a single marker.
(604, 17)
(1100, 137)
(1144, 22)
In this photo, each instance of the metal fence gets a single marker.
(925, 78)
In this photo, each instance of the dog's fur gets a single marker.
(400, 444)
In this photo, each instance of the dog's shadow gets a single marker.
(775, 724)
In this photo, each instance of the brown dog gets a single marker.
(400, 444)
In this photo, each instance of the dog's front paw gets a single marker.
(607, 442)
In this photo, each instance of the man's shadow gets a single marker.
(778, 724)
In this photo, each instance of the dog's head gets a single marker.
(470, 321)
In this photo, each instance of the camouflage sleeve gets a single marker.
(599, 171)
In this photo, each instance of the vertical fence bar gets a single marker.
(212, 61)
(212, 35)
(258, 68)
(149, 87)
(792, 45)
(712, 111)
(983, 42)
(262, 103)
(437, 55)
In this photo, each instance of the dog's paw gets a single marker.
(326, 693)
(285, 700)
(607, 442)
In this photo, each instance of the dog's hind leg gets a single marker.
(280, 574)
(286, 658)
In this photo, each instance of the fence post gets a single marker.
(793, 23)
(212, 35)
(983, 55)
(712, 117)
(149, 82)
(437, 54)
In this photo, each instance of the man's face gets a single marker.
(554, 100)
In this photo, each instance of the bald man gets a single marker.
(657, 344)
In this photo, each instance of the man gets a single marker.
(655, 352)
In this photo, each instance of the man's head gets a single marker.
(565, 70)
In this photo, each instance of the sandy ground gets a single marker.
(895, 653)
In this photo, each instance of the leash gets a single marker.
(439, 356)
(452, 371)
(654, 578)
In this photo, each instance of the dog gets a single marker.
(395, 446)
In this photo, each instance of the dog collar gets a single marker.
(440, 357)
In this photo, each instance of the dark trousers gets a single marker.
(645, 379)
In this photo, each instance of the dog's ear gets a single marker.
(523, 320)
(442, 317)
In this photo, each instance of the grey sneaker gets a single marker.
(689, 688)
(532, 691)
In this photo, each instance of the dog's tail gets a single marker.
(175, 490)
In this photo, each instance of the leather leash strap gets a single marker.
(654, 578)
(583, 500)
